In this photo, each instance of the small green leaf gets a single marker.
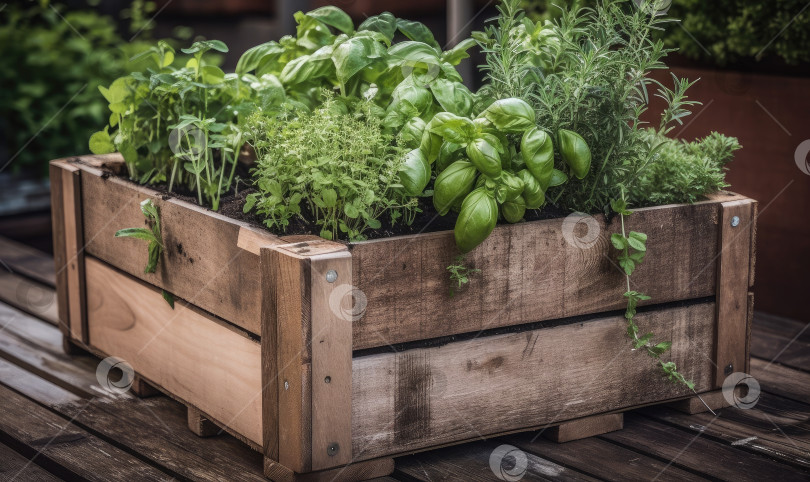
(168, 297)
(138, 233)
(100, 143)
(334, 17)
(618, 241)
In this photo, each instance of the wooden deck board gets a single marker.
(39, 385)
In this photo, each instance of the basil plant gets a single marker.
(496, 165)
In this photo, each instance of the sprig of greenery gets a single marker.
(153, 237)
(460, 274)
(632, 248)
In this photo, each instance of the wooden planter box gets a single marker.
(263, 341)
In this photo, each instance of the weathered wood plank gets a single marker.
(691, 451)
(787, 351)
(331, 318)
(520, 380)
(530, 273)
(74, 252)
(29, 296)
(585, 427)
(781, 380)
(202, 262)
(369, 469)
(14, 465)
(46, 436)
(189, 353)
(734, 265)
(600, 458)
(755, 430)
(471, 462)
(59, 248)
(28, 262)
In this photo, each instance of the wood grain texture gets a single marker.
(59, 253)
(585, 427)
(692, 405)
(74, 252)
(529, 273)
(199, 424)
(141, 388)
(288, 313)
(29, 262)
(369, 469)
(331, 317)
(288, 317)
(733, 267)
(186, 352)
(29, 296)
(463, 390)
(201, 263)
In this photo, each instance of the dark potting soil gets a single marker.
(426, 221)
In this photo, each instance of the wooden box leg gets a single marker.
(201, 426)
(141, 389)
(715, 400)
(585, 427)
(369, 469)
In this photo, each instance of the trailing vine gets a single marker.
(632, 248)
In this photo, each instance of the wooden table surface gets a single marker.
(56, 423)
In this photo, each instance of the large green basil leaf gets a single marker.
(311, 33)
(510, 115)
(385, 23)
(453, 128)
(453, 185)
(537, 152)
(418, 32)
(253, 56)
(476, 220)
(352, 56)
(485, 154)
(416, 95)
(334, 17)
(458, 53)
(574, 151)
(417, 52)
(411, 134)
(514, 210)
(533, 194)
(448, 154)
(305, 68)
(558, 178)
(431, 143)
(414, 174)
(509, 187)
(454, 97)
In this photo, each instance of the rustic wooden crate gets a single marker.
(263, 343)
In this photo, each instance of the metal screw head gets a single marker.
(331, 276)
(729, 369)
(286, 385)
(332, 449)
(735, 221)
(328, 379)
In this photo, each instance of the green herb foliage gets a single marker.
(338, 169)
(460, 274)
(53, 61)
(632, 247)
(150, 235)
